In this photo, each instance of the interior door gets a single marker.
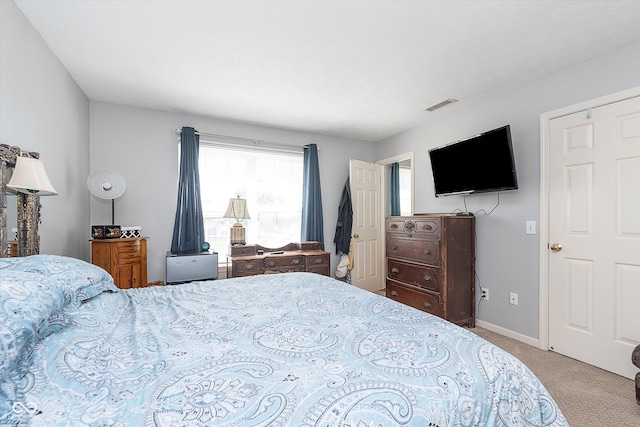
(594, 232)
(365, 181)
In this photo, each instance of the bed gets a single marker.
(294, 349)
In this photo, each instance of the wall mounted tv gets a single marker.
(478, 164)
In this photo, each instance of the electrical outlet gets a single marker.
(485, 294)
(513, 298)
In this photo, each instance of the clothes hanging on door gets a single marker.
(342, 237)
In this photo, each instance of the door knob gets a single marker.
(556, 247)
(355, 236)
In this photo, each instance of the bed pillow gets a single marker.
(78, 279)
(31, 307)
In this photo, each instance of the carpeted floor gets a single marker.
(588, 396)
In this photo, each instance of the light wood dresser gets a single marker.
(431, 264)
(125, 259)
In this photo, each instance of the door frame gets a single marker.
(385, 177)
(384, 197)
(545, 119)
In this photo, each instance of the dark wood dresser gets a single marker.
(250, 260)
(431, 264)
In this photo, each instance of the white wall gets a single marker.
(139, 144)
(43, 110)
(507, 258)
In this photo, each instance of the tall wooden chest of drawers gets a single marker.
(124, 259)
(431, 263)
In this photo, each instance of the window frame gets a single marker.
(217, 228)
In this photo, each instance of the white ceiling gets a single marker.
(359, 69)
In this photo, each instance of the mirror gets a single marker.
(25, 206)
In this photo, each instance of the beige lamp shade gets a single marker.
(237, 209)
(29, 177)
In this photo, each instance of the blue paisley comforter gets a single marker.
(295, 349)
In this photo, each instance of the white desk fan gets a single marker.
(107, 184)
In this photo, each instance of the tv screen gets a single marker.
(477, 164)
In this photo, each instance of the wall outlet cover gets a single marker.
(530, 227)
(513, 298)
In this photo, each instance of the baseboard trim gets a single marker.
(509, 333)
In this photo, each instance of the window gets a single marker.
(270, 181)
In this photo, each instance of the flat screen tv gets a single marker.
(478, 164)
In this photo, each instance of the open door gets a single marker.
(365, 180)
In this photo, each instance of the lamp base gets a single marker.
(237, 234)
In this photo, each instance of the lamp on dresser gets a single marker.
(29, 180)
(237, 209)
(29, 177)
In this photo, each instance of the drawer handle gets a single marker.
(428, 278)
(395, 270)
(427, 305)
(318, 261)
(394, 248)
(394, 293)
(248, 267)
(393, 226)
(428, 252)
(295, 261)
(271, 263)
(428, 227)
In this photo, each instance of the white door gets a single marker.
(365, 181)
(594, 214)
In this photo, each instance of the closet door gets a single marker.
(594, 235)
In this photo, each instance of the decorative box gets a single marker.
(129, 231)
(112, 231)
(105, 232)
(97, 232)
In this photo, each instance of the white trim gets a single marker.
(399, 158)
(545, 119)
(508, 333)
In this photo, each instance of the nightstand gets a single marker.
(124, 259)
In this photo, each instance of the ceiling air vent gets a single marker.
(441, 104)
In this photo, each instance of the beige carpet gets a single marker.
(588, 396)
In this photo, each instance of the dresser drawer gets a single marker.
(428, 227)
(318, 264)
(241, 250)
(413, 249)
(284, 264)
(128, 258)
(247, 267)
(422, 300)
(417, 275)
(129, 246)
(317, 260)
